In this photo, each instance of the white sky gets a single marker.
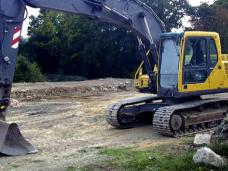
(198, 2)
(35, 12)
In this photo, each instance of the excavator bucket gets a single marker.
(12, 143)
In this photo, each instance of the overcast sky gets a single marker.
(35, 12)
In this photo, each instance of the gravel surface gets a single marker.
(66, 122)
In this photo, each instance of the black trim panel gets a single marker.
(176, 94)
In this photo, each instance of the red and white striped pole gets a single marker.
(16, 37)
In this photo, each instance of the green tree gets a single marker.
(170, 12)
(27, 71)
(212, 18)
(72, 45)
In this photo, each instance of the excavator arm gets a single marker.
(130, 14)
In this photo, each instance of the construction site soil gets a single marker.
(66, 122)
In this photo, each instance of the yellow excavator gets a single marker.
(178, 67)
(190, 65)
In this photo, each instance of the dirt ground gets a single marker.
(66, 122)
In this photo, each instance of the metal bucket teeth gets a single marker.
(12, 142)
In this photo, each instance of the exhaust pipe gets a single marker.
(12, 142)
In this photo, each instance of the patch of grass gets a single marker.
(67, 135)
(70, 168)
(15, 166)
(221, 149)
(37, 161)
(137, 160)
(187, 140)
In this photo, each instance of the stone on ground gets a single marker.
(14, 103)
(208, 157)
(202, 139)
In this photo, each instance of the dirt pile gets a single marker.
(25, 91)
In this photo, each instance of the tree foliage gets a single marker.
(68, 47)
(27, 71)
(65, 44)
(171, 12)
(212, 18)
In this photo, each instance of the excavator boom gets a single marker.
(130, 14)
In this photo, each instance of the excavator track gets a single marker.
(173, 120)
(115, 114)
(211, 111)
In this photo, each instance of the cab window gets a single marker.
(213, 53)
(195, 60)
(196, 52)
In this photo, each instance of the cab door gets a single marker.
(196, 65)
(218, 77)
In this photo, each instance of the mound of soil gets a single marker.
(28, 91)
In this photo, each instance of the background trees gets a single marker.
(212, 18)
(27, 71)
(69, 47)
(170, 12)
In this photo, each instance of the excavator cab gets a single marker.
(190, 64)
(202, 66)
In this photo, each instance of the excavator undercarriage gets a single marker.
(169, 118)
